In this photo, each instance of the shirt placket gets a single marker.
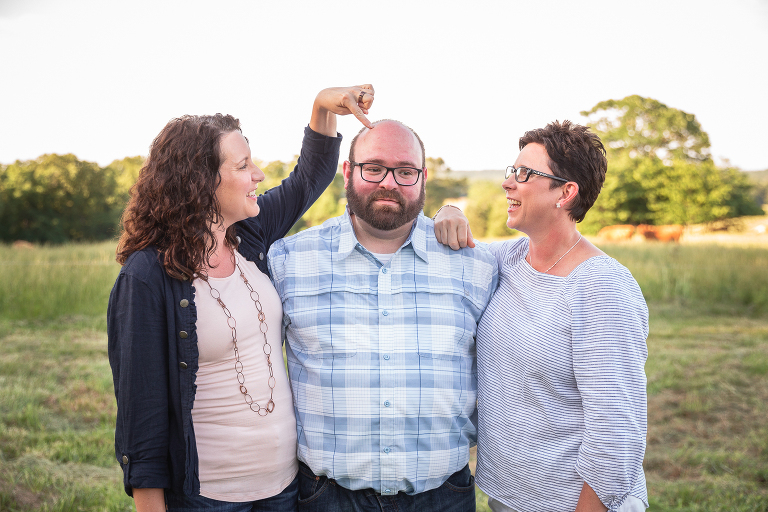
(387, 405)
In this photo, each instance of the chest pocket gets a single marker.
(349, 314)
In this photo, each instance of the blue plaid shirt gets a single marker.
(382, 357)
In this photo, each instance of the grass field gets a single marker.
(707, 377)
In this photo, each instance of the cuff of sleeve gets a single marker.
(319, 143)
(144, 475)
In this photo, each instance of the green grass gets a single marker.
(57, 418)
(707, 378)
(707, 408)
(46, 283)
(705, 275)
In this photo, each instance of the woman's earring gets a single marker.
(558, 205)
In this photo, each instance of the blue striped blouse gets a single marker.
(561, 384)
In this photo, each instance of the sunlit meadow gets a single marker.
(707, 377)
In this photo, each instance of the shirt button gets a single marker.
(386, 403)
(386, 450)
(383, 271)
(387, 491)
(183, 365)
(183, 334)
(386, 357)
(385, 313)
(125, 459)
(261, 256)
(183, 303)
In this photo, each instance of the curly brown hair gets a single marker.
(173, 203)
(576, 154)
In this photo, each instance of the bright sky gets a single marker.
(100, 78)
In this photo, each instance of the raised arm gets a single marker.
(283, 205)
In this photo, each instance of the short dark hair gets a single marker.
(576, 154)
(354, 140)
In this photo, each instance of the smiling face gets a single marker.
(240, 178)
(531, 204)
(385, 206)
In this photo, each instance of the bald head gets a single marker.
(388, 132)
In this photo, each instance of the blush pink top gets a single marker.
(243, 456)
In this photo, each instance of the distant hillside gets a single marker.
(758, 176)
(498, 175)
(478, 175)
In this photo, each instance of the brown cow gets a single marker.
(668, 233)
(22, 244)
(616, 233)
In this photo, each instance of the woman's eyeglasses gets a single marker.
(523, 173)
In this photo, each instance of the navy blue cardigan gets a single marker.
(153, 343)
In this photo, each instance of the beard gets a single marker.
(384, 218)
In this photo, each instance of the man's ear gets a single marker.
(347, 170)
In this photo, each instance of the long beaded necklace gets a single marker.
(267, 348)
(530, 258)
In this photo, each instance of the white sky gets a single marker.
(100, 78)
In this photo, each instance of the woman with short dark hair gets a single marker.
(205, 415)
(561, 346)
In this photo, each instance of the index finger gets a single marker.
(358, 113)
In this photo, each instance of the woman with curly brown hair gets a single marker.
(205, 417)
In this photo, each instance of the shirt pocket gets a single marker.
(442, 322)
(331, 321)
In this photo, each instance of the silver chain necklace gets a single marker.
(530, 258)
(267, 348)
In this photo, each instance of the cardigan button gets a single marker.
(184, 303)
(125, 459)
(261, 256)
(183, 334)
(183, 365)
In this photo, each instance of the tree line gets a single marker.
(660, 171)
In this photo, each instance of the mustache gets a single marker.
(386, 194)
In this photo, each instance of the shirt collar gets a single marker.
(417, 238)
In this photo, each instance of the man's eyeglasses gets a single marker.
(523, 173)
(375, 173)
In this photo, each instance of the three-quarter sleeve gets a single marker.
(609, 329)
(138, 355)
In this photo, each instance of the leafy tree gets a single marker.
(126, 172)
(487, 209)
(276, 172)
(660, 170)
(437, 167)
(439, 190)
(58, 198)
(330, 204)
(644, 127)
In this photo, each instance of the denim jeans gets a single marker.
(283, 502)
(320, 494)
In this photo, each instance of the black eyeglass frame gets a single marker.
(388, 170)
(514, 171)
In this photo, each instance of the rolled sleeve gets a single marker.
(137, 354)
(610, 326)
